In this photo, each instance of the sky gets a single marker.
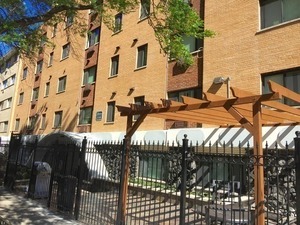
(27, 9)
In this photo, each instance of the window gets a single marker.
(89, 75)
(31, 122)
(5, 104)
(288, 79)
(110, 112)
(12, 79)
(54, 30)
(65, 51)
(3, 126)
(5, 84)
(8, 103)
(153, 167)
(69, 21)
(21, 98)
(191, 43)
(176, 96)
(43, 121)
(9, 81)
(62, 84)
(274, 12)
(39, 66)
(114, 66)
(47, 89)
(43, 40)
(118, 22)
(85, 116)
(57, 119)
(50, 62)
(142, 56)
(145, 9)
(25, 72)
(93, 37)
(138, 101)
(35, 94)
(17, 124)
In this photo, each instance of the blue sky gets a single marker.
(29, 8)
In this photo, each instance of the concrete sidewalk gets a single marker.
(18, 210)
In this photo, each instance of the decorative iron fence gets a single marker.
(169, 183)
(3, 161)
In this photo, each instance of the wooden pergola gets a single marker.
(244, 109)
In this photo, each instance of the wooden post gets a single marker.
(258, 165)
(123, 191)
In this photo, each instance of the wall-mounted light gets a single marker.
(117, 48)
(222, 80)
(114, 93)
(135, 40)
(219, 80)
(132, 89)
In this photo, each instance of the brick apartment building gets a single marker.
(75, 85)
(9, 68)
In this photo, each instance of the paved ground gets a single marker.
(18, 210)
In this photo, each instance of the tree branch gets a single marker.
(27, 21)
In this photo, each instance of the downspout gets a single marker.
(201, 52)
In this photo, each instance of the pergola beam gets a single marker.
(245, 109)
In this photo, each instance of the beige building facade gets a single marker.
(49, 87)
(9, 69)
(255, 41)
(76, 84)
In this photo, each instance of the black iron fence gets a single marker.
(169, 183)
(3, 160)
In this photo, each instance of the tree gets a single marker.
(170, 19)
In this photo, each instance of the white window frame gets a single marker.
(17, 124)
(142, 56)
(87, 73)
(144, 9)
(3, 126)
(118, 22)
(43, 122)
(54, 30)
(50, 62)
(138, 100)
(47, 89)
(85, 116)
(21, 98)
(274, 12)
(39, 66)
(25, 73)
(65, 53)
(69, 21)
(35, 94)
(57, 122)
(110, 112)
(62, 84)
(93, 37)
(114, 65)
